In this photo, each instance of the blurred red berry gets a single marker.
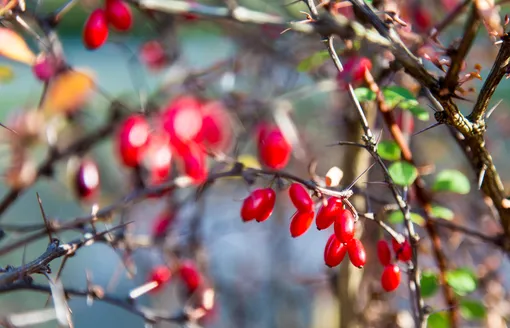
(405, 122)
(258, 205)
(404, 251)
(357, 253)
(300, 222)
(158, 157)
(344, 226)
(95, 31)
(390, 278)
(119, 15)
(383, 252)
(161, 275)
(190, 276)
(87, 179)
(354, 71)
(216, 131)
(274, 149)
(334, 252)
(161, 225)
(153, 55)
(328, 213)
(182, 119)
(132, 140)
(422, 19)
(300, 198)
(194, 160)
(45, 67)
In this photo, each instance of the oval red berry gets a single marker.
(274, 150)
(300, 198)
(258, 205)
(95, 31)
(300, 222)
(390, 278)
(334, 252)
(132, 140)
(87, 179)
(403, 251)
(383, 252)
(344, 226)
(190, 276)
(328, 213)
(357, 253)
(119, 14)
(160, 274)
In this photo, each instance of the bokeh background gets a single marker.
(262, 276)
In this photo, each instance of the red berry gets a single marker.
(354, 70)
(161, 225)
(160, 274)
(195, 163)
(422, 19)
(158, 157)
(334, 252)
(132, 140)
(190, 276)
(300, 222)
(153, 55)
(259, 205)
(344, 226)
(383, 252)
(390, 278)
(274, 150)
(87, 179)
(182, 119)
(95, 31)
(328, 213)
(216, 131)
(119, 14)
(45, 67)
(300, 198)
(404, 251)
(357, 253)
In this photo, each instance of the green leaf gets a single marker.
(403, 173)
(396, 217)
(463, 281)
(438, 320)
(418, 112)
(388, 150)
(313, 61)
(472, 309)
(364, 94)
(441, 212)
(428, 283)
(395, 95)
(451, 180)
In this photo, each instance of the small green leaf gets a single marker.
(403, 173)
(472, 309)
(364, 94)
(395, 95)
(463, 281)
(428, 283)
(315, 60)
(438, 320)
(396, 217)
(388, 150)
(418, 112)
(451, 180)
(441, 212)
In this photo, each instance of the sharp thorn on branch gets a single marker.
(493, 108)
(481, 176)
(427, 128)
(359, 177)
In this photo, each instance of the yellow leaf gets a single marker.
(6, 74)
(13, 46)
(249, 161)
(67, 91)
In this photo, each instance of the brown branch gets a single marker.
(457, 58)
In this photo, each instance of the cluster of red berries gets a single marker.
(117, 13)
(186, 128)
(390, 278)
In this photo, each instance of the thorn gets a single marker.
(379, 137)
(427, 128)
(46, 223)
(493, 108)
(481, 176)
(359, 177)
(346, 143)
(8, 129)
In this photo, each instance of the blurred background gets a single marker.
(261, 275)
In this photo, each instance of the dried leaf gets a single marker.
(13, 46)
(67, 91)
(490, 16)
